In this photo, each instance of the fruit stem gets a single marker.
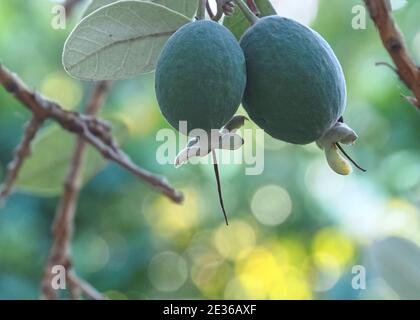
(350, 158)
(219, 188)
(201, 11)
(251, 17)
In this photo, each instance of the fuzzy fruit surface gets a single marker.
(296, 88)
(200, 76)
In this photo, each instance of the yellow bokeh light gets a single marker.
(168, 218)
(288, 251)
(141, 116)
(62, 89)
(245, 287)
(332, 249)
(260, 264)
(210, 272)
(293, 286)
(261, 276)
(235, 240)
(401, 219)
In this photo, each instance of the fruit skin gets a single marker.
(296, 88)
(200, 76)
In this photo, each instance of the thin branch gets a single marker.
(23, 150)
(64, 219)
(94, 131)
(386, 64)
(219, 12)
(84, 287)
(411, 100)
(392, 39)
(209, 10)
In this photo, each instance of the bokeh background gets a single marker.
(297, 230)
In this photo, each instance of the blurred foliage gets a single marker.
(296, 230)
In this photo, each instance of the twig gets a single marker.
(209, 10)
(64, 219)
(84, 287)
(386, 64)
(23, 150)
(219, 12)
(392, 39)
(94, 131)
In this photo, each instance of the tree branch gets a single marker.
(88, 130)
(94, 131)
(392, 39)
(84, 287)
(209, 10)
(23, 150)
(64, 219)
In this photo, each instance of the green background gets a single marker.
(130, 242)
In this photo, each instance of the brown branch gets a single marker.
(23, 150)
(92, 130)
(392, 39)
(209, 10)
(64, 219)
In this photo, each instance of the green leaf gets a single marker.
(186, 7)
(120, 40)
(45, 171)
(96, 4)
(238, 24)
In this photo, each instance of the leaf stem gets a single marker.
(249, 15)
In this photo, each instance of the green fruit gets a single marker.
(200, 76)
(296, 89)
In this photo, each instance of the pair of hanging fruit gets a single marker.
(285, 74)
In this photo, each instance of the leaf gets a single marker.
(45, 171)
(237, 23)
(120, 40)
(186, 7)
(398, 262)
(95, 5)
